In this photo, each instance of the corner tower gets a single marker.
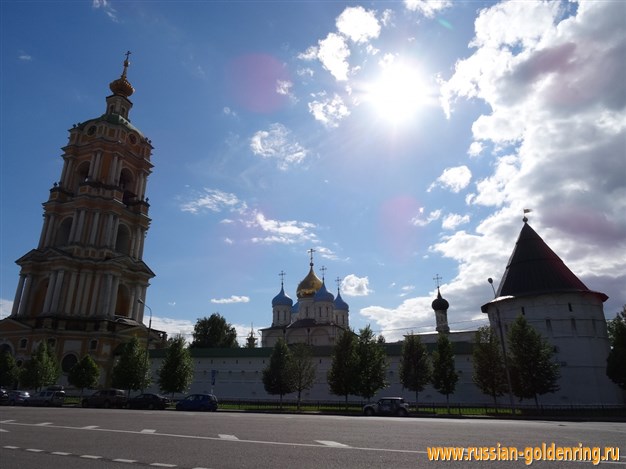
(79, 288)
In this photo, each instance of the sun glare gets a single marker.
(397, 94)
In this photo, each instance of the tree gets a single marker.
(278, 375)
(372, 363)
(533, 371)
(176, 372)
(489, 371)
(415, 369)
(214, 332)
(445, 376)
(343, 373)
(616, 361)
(303, 368)
(9, 371)
(42, 369)
(84, 374)
(132, 371)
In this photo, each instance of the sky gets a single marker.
(401, 141)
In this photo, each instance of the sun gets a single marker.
(398, 93)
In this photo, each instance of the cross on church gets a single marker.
(311, 251)
(282, 277)
(338, 282)
(436, 278)
(128, 54)
(323, 269)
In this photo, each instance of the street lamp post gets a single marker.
(140, 301)
(504, 355)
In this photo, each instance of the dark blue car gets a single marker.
(202, 402)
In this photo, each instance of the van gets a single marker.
(106, 398)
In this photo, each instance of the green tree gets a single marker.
(132, 371)
(9, 371)
(533, 371)
(84, 374)
(278, 375)
(214, 332)
(489, 371)
(445, 376)
(303, 368)
(415, 370)
(372, 363)
(343, 374)
(616, 361)
(176, 372)
(42, 369)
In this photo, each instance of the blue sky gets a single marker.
(400, 140)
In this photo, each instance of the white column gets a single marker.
(83, 303)
(58, 284)
(18, 295)
(50, 292)
(95, 227)
(95, 289)
(25, 294)
(113, 296)
(69, 300)
(49, 230)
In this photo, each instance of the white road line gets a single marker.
(61, 453)
(90, 427)
(227, 437)
(90, 456)
(6, 421)
(43, 424)
(2, 430)
(11, 447)
(148, 430)
(130, 461)
(160, 464)
(34, 450)
(334, 444)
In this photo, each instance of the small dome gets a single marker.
(340, 304)
(121, 86)
(440, 304)
(282, 299)
(310, 284)
(323, 295)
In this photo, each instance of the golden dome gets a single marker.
(122, 86)
(309, 285)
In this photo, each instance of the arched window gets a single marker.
(122, 241)
(127, 185)
(63, 232)
(68, 362)
(81, 174)
(123, 301)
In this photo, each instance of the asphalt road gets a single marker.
(118, 438)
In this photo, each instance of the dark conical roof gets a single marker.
(534, 268)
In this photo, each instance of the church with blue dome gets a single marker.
(316, 318)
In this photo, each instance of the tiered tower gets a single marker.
(79, 289)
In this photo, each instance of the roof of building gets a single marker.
(534, 268)
(323, 294)
(339, 304)
(282, 299)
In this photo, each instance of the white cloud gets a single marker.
(333, 52)
(284, 87)
(475, 149)
(281, 232)
(454, 220)
(277, 143)
(455, 179)
(213, 200)
(351, 285)
(420, 220)
(106, 6)
(428, 8)
(5, 308)
(25, 57)
(358, 24)
(329, 111)
(232, 299)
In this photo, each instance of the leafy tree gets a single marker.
(176, 372)
(132, 371)
(303, 369)
(489, 371)
(616, 361)
(42, 369)
(533, 371)
(278, 375)
(445, 376)
(343, 374)
(9, 371)
(84, 374)
(372, 363)
(415, 369)
(214, 332)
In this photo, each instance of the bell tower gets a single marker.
(79, 289)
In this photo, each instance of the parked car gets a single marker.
(18, 397)
(387, 406)
(46, 398)
(148, 401)
(106, 398)
(203, 402)
(4, 396)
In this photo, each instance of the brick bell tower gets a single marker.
(79, 289)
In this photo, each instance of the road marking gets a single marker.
(90, 427)
(147, 430)
(6, 421)
(334, 444)
(34, 450)
(129, 461)
(2, 430)
(227, 437)
(90, 456)
(160, 464)
(11, 447)
(43, 424)
(61, 453)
